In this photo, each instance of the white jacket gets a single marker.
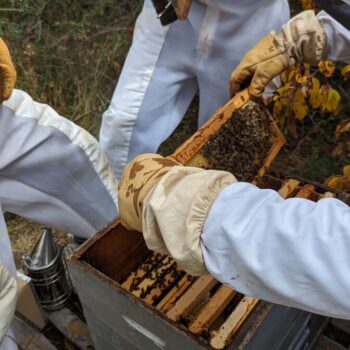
(293, 252)
(8, 297)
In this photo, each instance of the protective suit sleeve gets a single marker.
(338, 38)
(8, 298)
(51, 170)
(175, 210)
(293, 252)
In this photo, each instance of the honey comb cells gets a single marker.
(242, 143)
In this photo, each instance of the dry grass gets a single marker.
(24, 233)
(68, 54)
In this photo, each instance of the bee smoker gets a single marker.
(47, 269)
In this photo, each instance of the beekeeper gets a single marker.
(167, 65)
(293, 252)
(52, 172)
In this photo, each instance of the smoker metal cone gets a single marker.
(44, 251)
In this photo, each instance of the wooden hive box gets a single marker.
(135, 299)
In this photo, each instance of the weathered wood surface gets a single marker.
(223, 336)
(168, 301)
(192, 297)
(288, 187)
(307, 191)
(212, 310)
(325, 343)
(29, 338)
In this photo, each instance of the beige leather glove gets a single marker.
(302, 39)
(7, 72)
(138, 178)
(182, 8)
(170, 204)
(175, 211)
(8, 298)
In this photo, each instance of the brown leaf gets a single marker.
(342, 127)
(292, 127)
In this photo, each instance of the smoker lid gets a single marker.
(44, 252)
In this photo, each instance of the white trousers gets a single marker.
(51, 171)
(6, 258)
(167, 65)
(9, 342)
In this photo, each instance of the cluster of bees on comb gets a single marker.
(242, 143)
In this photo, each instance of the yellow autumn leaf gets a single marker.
(333, 100)
(315, 83)
(346, 170)
(327, 68)
(285, 89)
(334, 182)
(307, 69)
(315, 98)
(282, 110)
(304, 90)
(299, 105)
(324, 91)
(291, 74)
(346, 71)
(300, 78)
(275, 97)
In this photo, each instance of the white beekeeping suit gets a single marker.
(8, 288)
(166, 66)
(293, 252)
(53, 172)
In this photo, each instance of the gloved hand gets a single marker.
(7, 72)
(8, 297)
(170, 204)
(302, 39)
(138, 178)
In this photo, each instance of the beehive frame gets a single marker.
(191, 147)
